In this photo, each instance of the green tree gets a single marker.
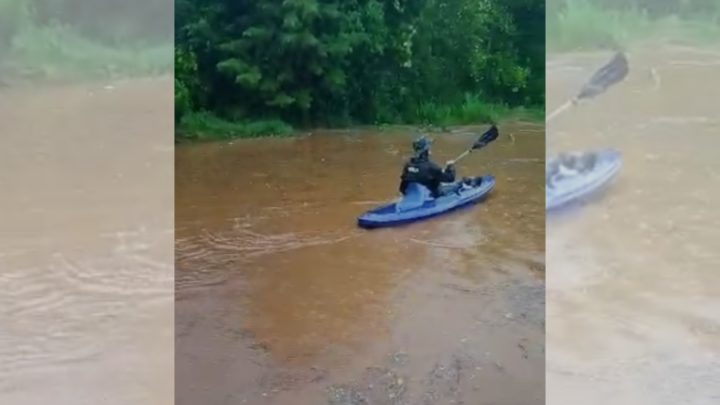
(330, 62)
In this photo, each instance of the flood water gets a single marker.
(281, 299)
(86, 270)
(633, 286)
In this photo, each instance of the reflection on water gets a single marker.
(633, 289)
(282, 300)
(85, 265)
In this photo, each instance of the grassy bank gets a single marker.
(204, 126)
(585, 25)
(472, 110)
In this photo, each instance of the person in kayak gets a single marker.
(420, 169)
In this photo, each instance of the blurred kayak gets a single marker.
(571, 177)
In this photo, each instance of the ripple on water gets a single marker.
(52, 311)
(213, 257)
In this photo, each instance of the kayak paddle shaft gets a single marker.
(467, 152)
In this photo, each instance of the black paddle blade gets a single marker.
(489, 136)
(613, 72)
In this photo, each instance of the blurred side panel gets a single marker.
(86, 214)
(633, 288)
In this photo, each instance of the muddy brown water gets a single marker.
(633, 283)
(86, 241)
(280, 299)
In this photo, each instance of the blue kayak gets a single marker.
(417, 203)
(572, 177)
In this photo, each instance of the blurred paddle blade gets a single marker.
(613, 72)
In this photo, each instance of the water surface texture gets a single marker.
(281, 299)
(633, 285)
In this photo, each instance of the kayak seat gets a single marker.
(415, 196)
(569, 165)
(472, 181)
(450, 188)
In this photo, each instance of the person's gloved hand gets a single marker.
(450, 167)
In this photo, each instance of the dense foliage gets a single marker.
(335, 62)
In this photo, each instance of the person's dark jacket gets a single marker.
(423, 171)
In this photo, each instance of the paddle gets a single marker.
(611, 73)
(489, 136)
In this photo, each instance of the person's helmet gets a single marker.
(421, 145)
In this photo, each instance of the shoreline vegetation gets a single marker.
(204, 126)
(288, 67)
(572, 26)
